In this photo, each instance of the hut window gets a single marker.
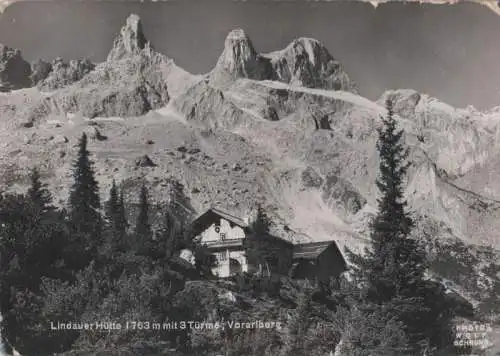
(223, 256)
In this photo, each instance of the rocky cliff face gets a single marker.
(40, 69)
(131, 87)
(58, 74)
(14, 70)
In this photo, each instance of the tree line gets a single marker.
(62, 264)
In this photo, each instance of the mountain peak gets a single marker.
(130, 40)
(312, 48)
(237, 34)
(239, 54)
(239, 59)
(307, 62)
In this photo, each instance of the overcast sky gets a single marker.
(448, 51)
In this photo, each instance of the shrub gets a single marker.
(372, 333)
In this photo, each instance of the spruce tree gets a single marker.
(170, 235)
(393, 252)
(122, 223)
(112, 205)
(38, 193)
(112, 209)
(298, 326)
(143, 232)
(30, 245)
(261, 224)
(259, 250)
(84, 202)
(204, 259)
(47, 227)
(391, 271)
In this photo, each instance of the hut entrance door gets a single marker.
(234, 266)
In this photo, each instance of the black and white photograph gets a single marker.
(249, 178)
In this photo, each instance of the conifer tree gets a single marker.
(47, 226)
(392, 251)
(204, 259)
(391, 272)
(122, 215)
(38, 193)
(112, 209)
(143, 232)
(261, 224)
(169, 238)
(30, 245)
(112, 205)
(298, 326)
(259, 250)
(84, 202)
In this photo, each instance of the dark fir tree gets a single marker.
(47, 226)
(261, 224)
(179, 203)
(38, 193)
(84, 203)
(30, 246)
(204, 259)
(122, 215)
(143, 231)
(391, 244)
(169, 239)
(391, 272)
(15, 219)
(261, 252)
(298, 326)
(112, 205)
(115, 222)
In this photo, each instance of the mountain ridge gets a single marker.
(304, 62)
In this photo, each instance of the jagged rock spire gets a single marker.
(239, 59)
(239, 55)
(14, 70)
(130, 40)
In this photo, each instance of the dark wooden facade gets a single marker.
(319, 262)
(283, 254)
